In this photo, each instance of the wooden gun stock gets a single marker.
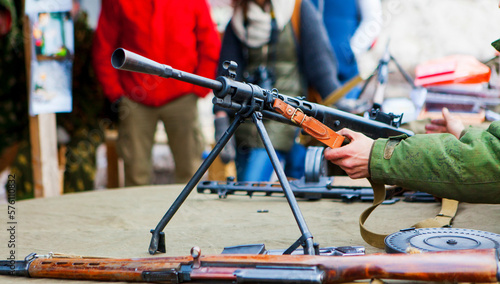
(455, 266)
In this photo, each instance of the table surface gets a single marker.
(116, 223)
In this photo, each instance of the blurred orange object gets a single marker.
(454, 69)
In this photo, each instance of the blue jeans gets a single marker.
(255, 165)
(353, 93)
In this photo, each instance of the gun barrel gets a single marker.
(123, 59)
(337, 119)
(13, 267)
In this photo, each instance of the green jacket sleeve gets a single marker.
(466, 170)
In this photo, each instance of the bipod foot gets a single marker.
(306, 242)
(157, 243)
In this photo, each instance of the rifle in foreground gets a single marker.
(454, 266)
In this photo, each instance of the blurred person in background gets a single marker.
(178, 33)
(283, 45)
(353, 27)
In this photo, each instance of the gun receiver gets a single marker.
(453, 266)
(245, 97)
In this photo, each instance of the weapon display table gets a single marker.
(116, 223)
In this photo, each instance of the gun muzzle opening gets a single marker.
(118, 58)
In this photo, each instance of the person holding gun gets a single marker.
(451, 162)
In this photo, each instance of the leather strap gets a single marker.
(310, 125)
(372, 238)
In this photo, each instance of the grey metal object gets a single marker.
(16, 267)
(440, 239)
(467, 103)
(306, 239)
(418, 196)
(322, 188)
(280, 274)
(316, 165)
(261, 249)
(328, 251)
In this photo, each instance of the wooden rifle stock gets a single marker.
(455, 266)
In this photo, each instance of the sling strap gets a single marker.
(444, 218)
(310, 125)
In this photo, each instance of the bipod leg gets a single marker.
(404, 73)
(158, 239)
(307, 238)
(367, 81)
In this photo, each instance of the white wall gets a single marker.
(420, 30)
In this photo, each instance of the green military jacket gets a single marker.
(466, 170)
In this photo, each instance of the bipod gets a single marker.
(253, 110)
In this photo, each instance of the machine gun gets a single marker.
(450, 266)
(301, 189)
(250, 101)
(322, 188)
(246, 98)
(314, 185)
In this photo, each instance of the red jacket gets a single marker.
(176, 33)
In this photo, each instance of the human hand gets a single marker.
(447, 124)
(354, 157)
